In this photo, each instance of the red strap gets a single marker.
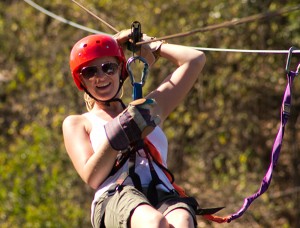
(153, 150)
(156, 155)
(216, 218)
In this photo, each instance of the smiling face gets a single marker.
(101, 77)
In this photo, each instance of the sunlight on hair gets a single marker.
(89, 102)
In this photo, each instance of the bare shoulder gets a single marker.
(75, 122)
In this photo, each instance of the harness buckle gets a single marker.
(112, 189)
(286, 109)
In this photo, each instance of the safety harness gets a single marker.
(153, 157)
(152, 193)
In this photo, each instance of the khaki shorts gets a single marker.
(122, 204)
(171, 201)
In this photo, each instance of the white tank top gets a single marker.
(157, 138)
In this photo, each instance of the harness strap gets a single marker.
(285, 113)
(110, 193)
(134, 176)
(152, 193)
(151, 150)
(158, 161)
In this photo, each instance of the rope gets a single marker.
(63, 20)
(94, 15)
(246, 51)
(227, 24)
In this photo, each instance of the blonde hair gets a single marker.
(89, 102)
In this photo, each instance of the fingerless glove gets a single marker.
(132, 125)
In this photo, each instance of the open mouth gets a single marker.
(103, 85)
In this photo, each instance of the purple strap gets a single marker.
(285, 113)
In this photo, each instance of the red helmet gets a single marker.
(92, 47)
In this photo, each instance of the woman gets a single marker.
(96, 140)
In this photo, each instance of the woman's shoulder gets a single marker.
(76, 121)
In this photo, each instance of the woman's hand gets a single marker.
(149, 51)
(132, 125)
(123, 36)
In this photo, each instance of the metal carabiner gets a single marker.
(288, 61)
(298, 69)
(137, 86)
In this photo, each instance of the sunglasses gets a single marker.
(107, 68)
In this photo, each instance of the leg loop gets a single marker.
(110, 193)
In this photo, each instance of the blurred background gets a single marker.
(220, 137)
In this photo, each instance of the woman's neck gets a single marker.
(113, 109)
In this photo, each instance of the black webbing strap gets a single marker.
(152, 193)
(192, 202)
(132, 174)
(110, 193)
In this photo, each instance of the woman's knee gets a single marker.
(147, 216)
(180, 218)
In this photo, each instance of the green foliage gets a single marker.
(220, 137)
(38, 182)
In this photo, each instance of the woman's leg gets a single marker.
(146, 216)
(180, 218)
(128, 208)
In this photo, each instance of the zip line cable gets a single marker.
(61, 19)
(84, 28)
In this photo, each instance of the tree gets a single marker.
(222, 133)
